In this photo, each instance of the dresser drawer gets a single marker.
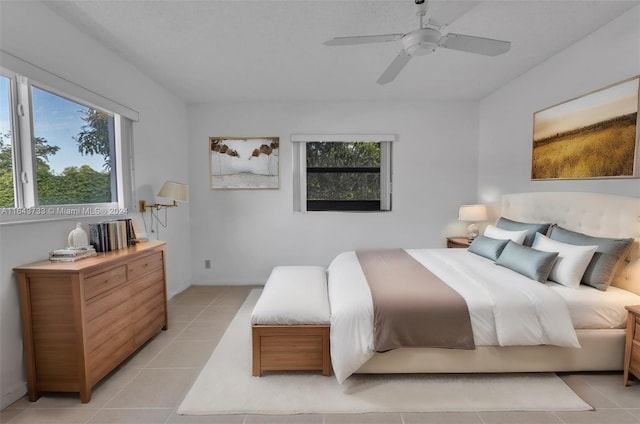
(144, 265)
(149, 312)
(106, 304)
(103, 338)
(150, 283)
(151, 325)
(636, 333)
(109, 355)
(634, 366)
(104, 281)
(104, 322)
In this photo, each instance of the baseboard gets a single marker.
(228, 283)
(216, 283)
(177, 290)
(17, 391)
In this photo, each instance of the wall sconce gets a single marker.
(177, 192)
(473, 214)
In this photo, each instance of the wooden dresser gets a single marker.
(81, 319)
(632, 347)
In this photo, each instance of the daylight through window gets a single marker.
(343, 175)
(7, 197)
(74, 145)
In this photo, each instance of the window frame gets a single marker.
(299, 142)
(15, 130)
(114, 145)
(23, 76)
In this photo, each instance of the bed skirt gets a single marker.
(602, 350)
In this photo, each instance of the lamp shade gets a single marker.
(472, 213)
(174, 191)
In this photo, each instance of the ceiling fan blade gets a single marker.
(471, 44)
(362, 39)
(394, 68)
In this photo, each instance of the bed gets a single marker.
(596, 318)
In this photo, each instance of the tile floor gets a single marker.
(149, 386)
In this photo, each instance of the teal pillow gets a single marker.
(605, 262)
(532, 229)
(487, 247)
(527, 261)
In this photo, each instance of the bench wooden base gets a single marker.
(290, 348)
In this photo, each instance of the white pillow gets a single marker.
(499, 233)
(571, 263)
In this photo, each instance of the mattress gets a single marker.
(591, 308)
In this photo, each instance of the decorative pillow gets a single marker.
(527, 261)
(532, 229)
(487, 247)
(571, 263)
(498, 233)
(606, 260)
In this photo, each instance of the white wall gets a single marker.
(34, 33)
(607, 56)
(246, 233)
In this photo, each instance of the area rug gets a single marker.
(225, 386)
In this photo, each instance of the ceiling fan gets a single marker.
(422, 41)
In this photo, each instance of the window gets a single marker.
(64, 150)
(342, 173)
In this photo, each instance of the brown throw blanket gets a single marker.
(412, 307)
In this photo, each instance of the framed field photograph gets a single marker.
(593, 136)
(244, 163)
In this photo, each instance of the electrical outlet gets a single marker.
(207, 263)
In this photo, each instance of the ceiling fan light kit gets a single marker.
(423, 41)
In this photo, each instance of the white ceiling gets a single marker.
(237, 50)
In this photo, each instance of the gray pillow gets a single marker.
(487, 247)
(605, 262)
(527, 261)
(532, 229)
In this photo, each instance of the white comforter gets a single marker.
(506, 308)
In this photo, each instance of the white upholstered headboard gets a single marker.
(595, 214)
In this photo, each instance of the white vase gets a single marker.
(78, 237)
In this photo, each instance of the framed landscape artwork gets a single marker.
(593, 136)
(244, 163)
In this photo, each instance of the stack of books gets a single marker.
(72, 254)
(112, 235)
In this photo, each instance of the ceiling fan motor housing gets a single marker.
(421, 41)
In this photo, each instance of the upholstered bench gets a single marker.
(290, 322)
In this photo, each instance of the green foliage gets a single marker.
(356, 185)
(43, 151)
(343, 186)
(6, 172)
(73, 186)
(94, 137)
(320, 154)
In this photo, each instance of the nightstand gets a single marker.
(632, 346)
(458, 242)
